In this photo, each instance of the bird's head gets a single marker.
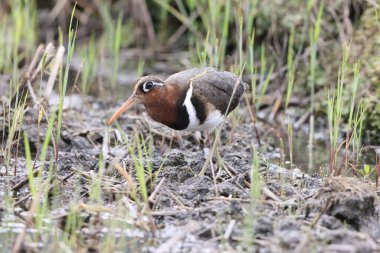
(147, 90)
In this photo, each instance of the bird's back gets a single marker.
(211, 85)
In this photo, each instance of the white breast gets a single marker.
(212, 121)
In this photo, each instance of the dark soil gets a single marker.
(296, 212)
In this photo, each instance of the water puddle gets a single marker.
(317, 158)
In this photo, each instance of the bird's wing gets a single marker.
(211, 85)
(217, 87)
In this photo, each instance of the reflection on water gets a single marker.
(317, 158)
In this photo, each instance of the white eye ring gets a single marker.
(147, 86)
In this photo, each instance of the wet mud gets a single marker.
(188, 212)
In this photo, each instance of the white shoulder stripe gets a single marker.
(193, 120)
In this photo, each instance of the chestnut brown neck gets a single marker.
(166, 106)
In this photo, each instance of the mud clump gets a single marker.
(348, 200)
(195, 190)
(343, 240)
(76, 159)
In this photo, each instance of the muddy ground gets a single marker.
(295, 212)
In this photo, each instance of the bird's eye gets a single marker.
(147, 86)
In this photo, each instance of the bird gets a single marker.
(196, 99)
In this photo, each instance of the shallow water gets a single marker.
(317, 158)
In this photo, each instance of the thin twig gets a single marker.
(154, 193)
(54, 72)
(29, 219)
(26, 180)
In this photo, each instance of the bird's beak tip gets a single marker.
(122, 109)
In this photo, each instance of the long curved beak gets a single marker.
(130, 102)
